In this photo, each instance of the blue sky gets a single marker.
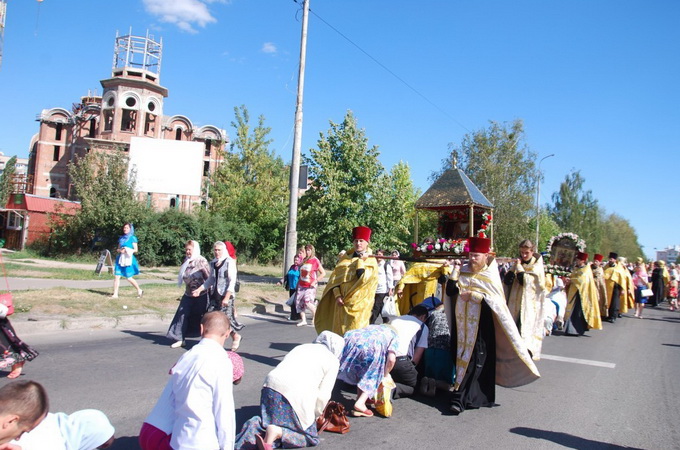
(595, 82)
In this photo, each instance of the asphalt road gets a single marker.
(615, 388)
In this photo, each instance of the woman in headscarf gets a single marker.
(194, 271)
(126, 262)
(369, 355)
(88, 429)
(294, 394)
(221, 287)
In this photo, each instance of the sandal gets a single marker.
(16, 371)
(365, 413)
(261, 444)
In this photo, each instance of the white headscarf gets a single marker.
(225, 253)
(196, 253)
(333, 342)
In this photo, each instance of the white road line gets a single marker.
(579, 361)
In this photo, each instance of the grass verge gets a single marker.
(160, 299)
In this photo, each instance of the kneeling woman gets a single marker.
(369, 355)
(193, 273)
(294, 394)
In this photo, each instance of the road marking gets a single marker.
(587, 362)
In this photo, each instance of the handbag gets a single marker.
(291, 300)
(646, 293)
(383, 398)
(333, 419)
(389, 307)
(6, 299)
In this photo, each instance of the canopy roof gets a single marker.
(453, 188)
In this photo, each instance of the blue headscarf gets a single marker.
(127, 236)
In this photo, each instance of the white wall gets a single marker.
(167, 166)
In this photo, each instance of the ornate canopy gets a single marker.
(453, 188)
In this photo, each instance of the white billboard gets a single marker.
(167, 166)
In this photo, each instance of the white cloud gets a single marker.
(269, 47)
(185, 14)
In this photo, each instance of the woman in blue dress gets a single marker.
(126, 262)
(369, 355)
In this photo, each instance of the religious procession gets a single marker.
(455, 323)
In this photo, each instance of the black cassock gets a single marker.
(478, 387)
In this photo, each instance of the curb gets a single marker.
(26, 326)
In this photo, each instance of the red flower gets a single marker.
(414, 245)
(484, 227)
(430, 248)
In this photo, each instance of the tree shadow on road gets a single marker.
(272, 361)
(566, 440)
(155, 338)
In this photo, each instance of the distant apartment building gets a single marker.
(20, 167)
(669, 254)
(128, 117)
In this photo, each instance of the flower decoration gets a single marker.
(486, 222)
(455, 246)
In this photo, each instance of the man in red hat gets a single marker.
(476, 308)
(348, 298)
(583, 308)
(598, 275)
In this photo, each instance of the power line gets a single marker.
(387, 69)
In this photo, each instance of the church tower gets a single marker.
(132, 101)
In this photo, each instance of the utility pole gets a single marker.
(538, 193)
(291, 233)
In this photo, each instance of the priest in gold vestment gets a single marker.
(486, 345)
(348, 298)
(525, 292)
(583, 308)
(600, 284)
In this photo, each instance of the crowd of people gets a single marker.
(457, 327)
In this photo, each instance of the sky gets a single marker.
(596, 82)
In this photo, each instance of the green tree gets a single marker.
(575, 210)
(392, 208)
(108, 200)
(345, 175)
(547, 229)
(250, 191)
(619, 236)
(6, 180)
(499, 163)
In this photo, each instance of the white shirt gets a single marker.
(407, 327)
(202, 399)
(306, 377)
(385, 281)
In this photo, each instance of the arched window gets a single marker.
(130, 111)
(178, 134)
(173, 203)
(53, 192)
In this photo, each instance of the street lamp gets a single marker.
(538, 193)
